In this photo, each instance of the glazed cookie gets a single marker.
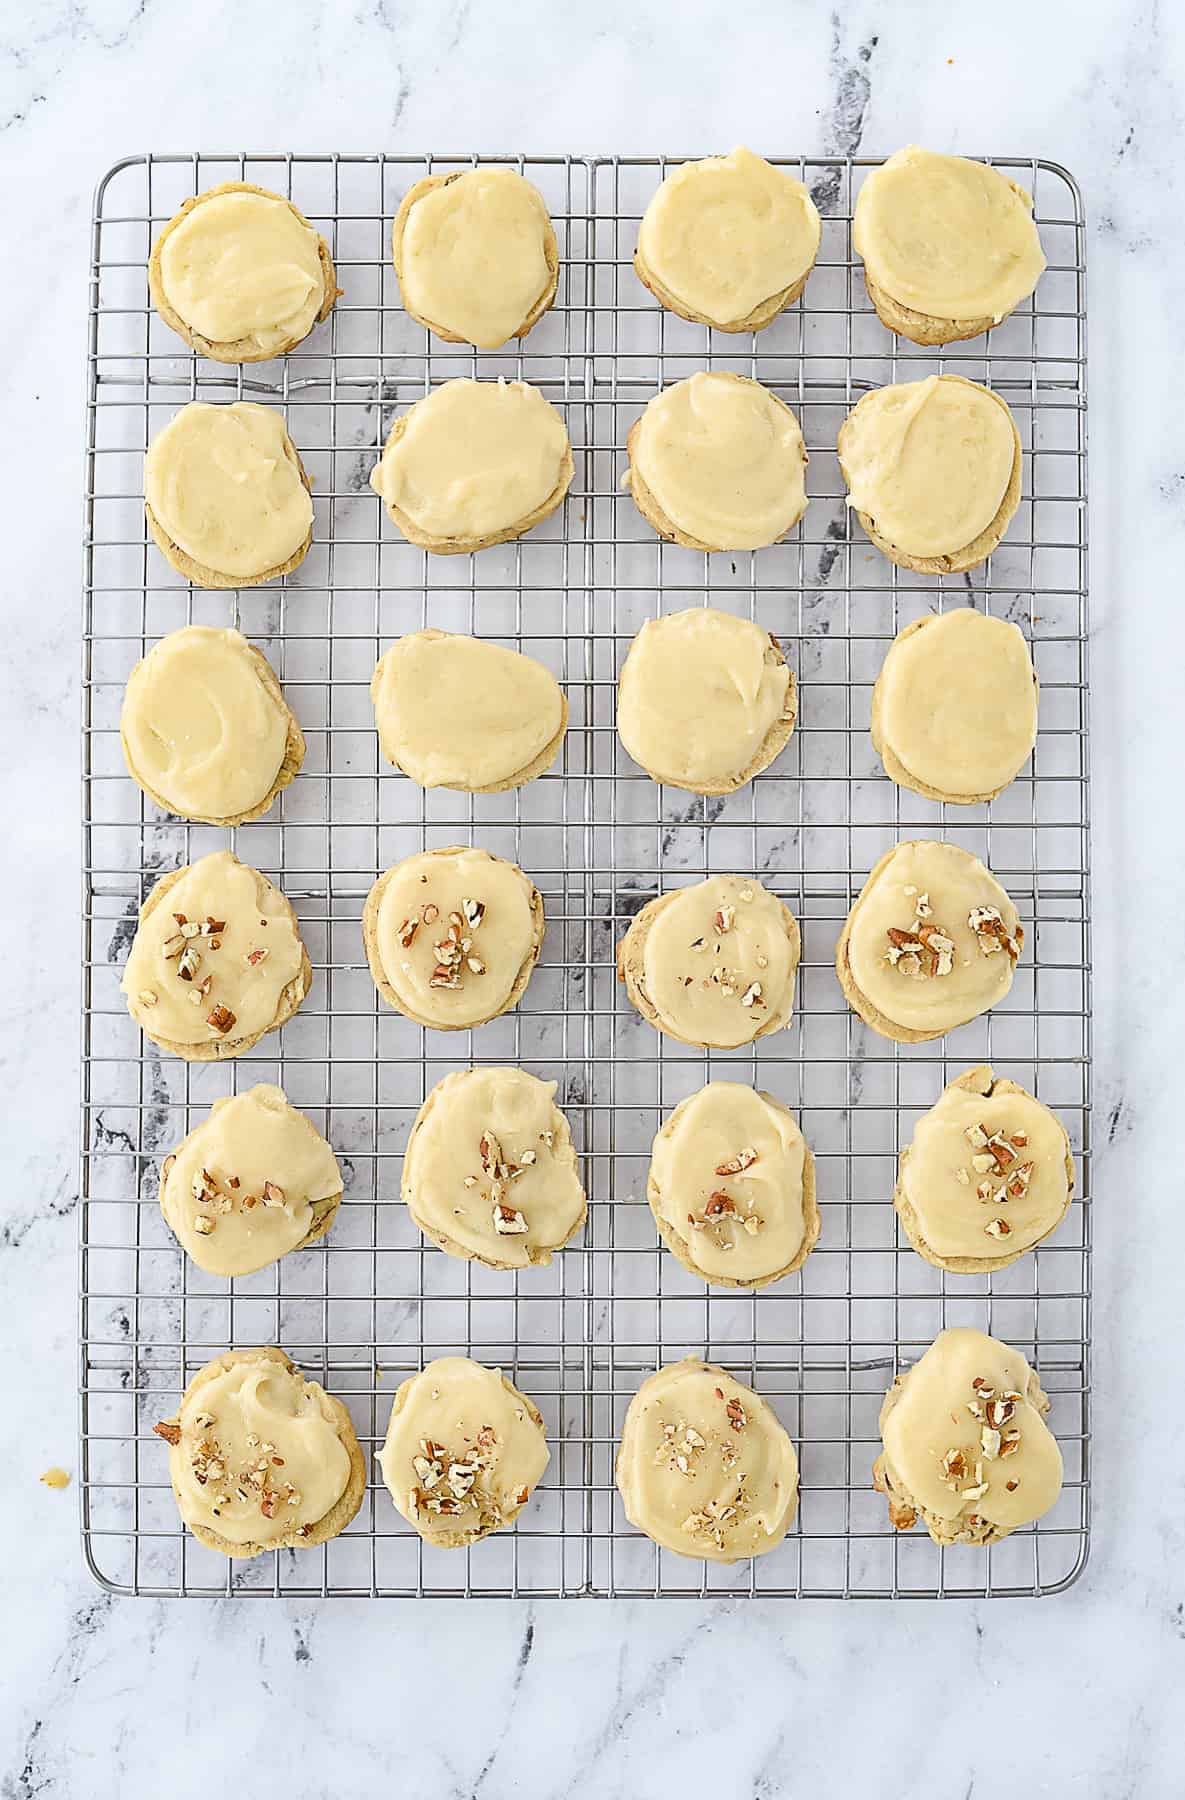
(474, 463)
(933, 471)
(728, 241)
(216, 962)
(930, 943)
(954, 709)
(457, 712)
(241, 275)
(732, 1187)
(226, 496)
(717, 462)
(205, 728)
(255, 1180)
(490, 1171)
(704, 1467)
(949, 246)
(714, 964)
(452, 936)
(476, 256)
(966, 1445)
(988, 1175)
(464, 1451)
(705, 701)
(261, 1459)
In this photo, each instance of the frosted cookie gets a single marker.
(452, 936)
(464, 1451)
(457, 712)
(253, 1181)
(474, 463)
(205, 728)
(714, 964)
(933, 471)
(704, 1466)
(261, 1459)
(217, 960)
(949, 246)
(954, 709)
(476, 256)
(717, 462)
(989, 1174)
(732, 1187)
(226, 496)
(705, 700)
(966, 1445)
(240, 274)
(728, 241)
(930, 943)
(490, 1171)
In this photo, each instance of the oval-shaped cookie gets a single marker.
(931, 942)
(966, 1446)
(714, 964)
(704, 1467)
(490, 1171)
(457, 712)
(464, 1451)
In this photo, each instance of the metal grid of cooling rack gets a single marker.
(365, 1308)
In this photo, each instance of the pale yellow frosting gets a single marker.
(931, 887)
(240, 1191)
(720, 986)
(457, 712)
(224, 483)
(724, 459)
(490, 1166)
(199, 727)
(705, 1468)
(474, 256)
(743, 1222)
(940, 1416)
(177, 978)
(928, 461)
(244, 266)
(948, 237)
(474, 458)
(699, 693)
(725, 234)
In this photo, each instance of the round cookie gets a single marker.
(988, 1175)
(452, 936)
(933, 470)
(728, 241)
(464, 1451)
(490, 1172)
(717, 462)
(226, 496)
(930, 943)
(253, 1181)
(260, 1458)
(732, 1187)
(241, 275)
(954, 708)
(457, 712)
(949, 246)
(966, 1446)
(713, 965)
(217, 960)
(476, 256)
(205, 728)
(472, 464)
(704, 1467)
(705, 700)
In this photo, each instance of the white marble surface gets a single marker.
(1073, 1696)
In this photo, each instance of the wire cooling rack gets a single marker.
(365, 1308)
